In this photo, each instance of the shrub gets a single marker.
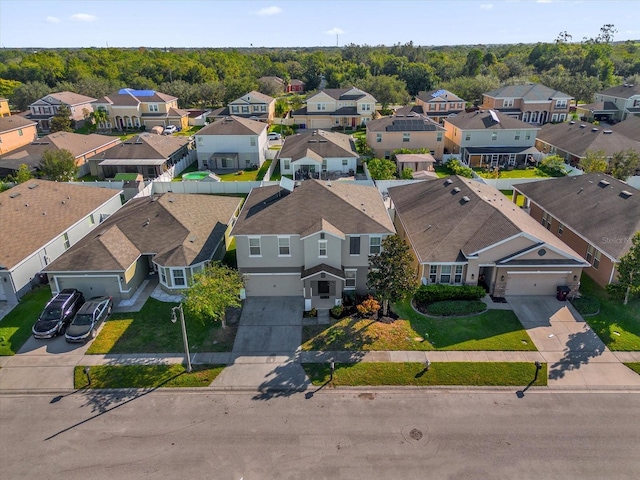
(458, 169)
(311, 313)
(337, 311)
(553, 165)
(586, 305)
(456, 308)
(368, 307)
(439, 293)
(617, 291)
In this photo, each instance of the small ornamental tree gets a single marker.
(22, 174)
(381, 169)
(212, 291)
(59, 165)
(629, 269)
(391, 273)
(61, 121)
(594, 161)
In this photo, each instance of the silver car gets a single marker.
(85, 324)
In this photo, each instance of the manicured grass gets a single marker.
(239, 176)
(150, 331)
(617, 325)
(146, 376)
(492, 330)
(634, 366)
(442, 171)
(187, 132)
(15, 328)
(509, 195)
(263, 169)
(413, 374)
(276, 175)
(515, 173)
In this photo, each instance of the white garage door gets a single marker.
(273, 285)
(320, 123)
(534, 283)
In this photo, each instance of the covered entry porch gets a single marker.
(322, 286)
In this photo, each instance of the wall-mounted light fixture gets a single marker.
(502, 278)
(472, 276)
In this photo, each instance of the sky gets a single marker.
(306, 23)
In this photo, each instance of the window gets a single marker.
(253, 141)
(254, 247)
(322, 248)
(378, 138)
(345, 162)
(375, 245)
(554, 117)
(439, 137)
(366, 107)
(433, 273)
(20, 133)
(527, 136)
(387, 154)
(445, 274)
(234, 109)
(245, 109)
(560, 228)
(546, 220)
(178, 277)
(92, 221)
(153, 107)
(561, 104)
(562, 117)
(200, 140)
(324, 164)
(494, 136)
(467, 137)
(507, 102)
(163, 275)
(593, 256)
(287, 165)
(457, 277)
(263, 108)
(354, 246)
(350, 279)
(284, 245)
(517, 136)
(406, 137)
(322, 106)
(67, 243)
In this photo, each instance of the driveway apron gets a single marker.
(575, 355)
(264, 354)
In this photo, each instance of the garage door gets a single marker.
(320, 123)
(534, 283)
(273, 285)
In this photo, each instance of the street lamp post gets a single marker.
(184, 333)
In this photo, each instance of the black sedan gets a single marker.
(90, 316)
(57, 314)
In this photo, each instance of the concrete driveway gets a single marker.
(575, 355)
(264, 354)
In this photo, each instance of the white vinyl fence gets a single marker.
(178, 168)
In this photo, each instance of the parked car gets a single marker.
(58, 313)
(88, 319)
(274, 136)
(169, 129)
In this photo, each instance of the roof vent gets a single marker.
(603, 183)
(456, 190)
(626, 194)
(448, 181)
(14, 194)
(572, 122)
(594, 129)
(32, 186)
(466, 199)
(607, 132)
(583, 126)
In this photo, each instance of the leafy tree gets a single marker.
(27, 93)
(553, 165)
(385, 89)
(407, 173)
(624, 164)
(381, 169)
(61, 121)
(281, 107)
(22, 174)
(459, 169)
(474, 62)
(212, 291)
(391, 273)
(629, 269)
(59, 165)
(594, 161)
(418, 77)
(99, 117)
(7, 87)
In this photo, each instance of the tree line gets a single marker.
(210, 77)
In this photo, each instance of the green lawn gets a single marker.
(190, 169)
(444, 373)
(276, 175)
(239, 176)
(146, 376)
(492, 330)
(509, 195)
(187, 132)
(442, 171)
(15, 328)
(634, 366)
(151, 331)
(617, 325)
(515, 173)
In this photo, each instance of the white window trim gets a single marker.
(379, 245)
(259, 246)
(322, 243)
(288, 246)
(355, 279)
(173, 277)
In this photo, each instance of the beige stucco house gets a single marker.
(386, 134)
(43, 109)
(15, 132)
(4, 107)
(336, 107)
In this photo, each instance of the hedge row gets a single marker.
(456, 308)
(439, 293)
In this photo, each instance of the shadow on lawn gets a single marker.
(346, 334)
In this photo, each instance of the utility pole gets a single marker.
(184, 333)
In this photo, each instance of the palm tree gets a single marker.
(100, 117)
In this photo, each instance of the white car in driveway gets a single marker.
(274, 136)
(169, 129)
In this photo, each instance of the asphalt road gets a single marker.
(333, 435)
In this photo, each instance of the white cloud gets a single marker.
(543, 1)
(83, 17)
(53, 20)
(486, 6)
(335, 31)
(269, 11)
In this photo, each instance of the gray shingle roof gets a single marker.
(252, 97)
(233, 125)
(629, 128)
(348, 208)
(599, 212)
(320, 142)
(69, 98)
(530, 92)
(482, 120)
(622, 91)
(400, 123)
(13, 122)
(145, 146)
(181, 229)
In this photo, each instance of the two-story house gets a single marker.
(313, 242)
(232, 143)
(438, 104)
(307, 154)
(295, 86)
(132, 109)
(615, 103)
(486, 138)
(16, 131)
(40, 221)
(4, 107)
(336, 107)
(42, 110)
(594, 214)
(532, 103)
(386, 134)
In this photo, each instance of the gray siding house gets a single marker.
(313, 242)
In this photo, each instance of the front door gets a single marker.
(323, 289)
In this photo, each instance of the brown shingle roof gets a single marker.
(319, 142)
(38, 211)
(350, 209)
(576, 138)
(69, 98)
(629, 128)
(147, 146)
(251, 98)
(13, 122)
(603, 215)
(233, 125)
(438, 96)
(181, 229)
(128, 97)
(482, 120)
(530, 92)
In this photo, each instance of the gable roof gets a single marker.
(599, 212)
(233, 125)
(629, 128)
(131, 97)
(344, 94)
(146, 146)
(321, 143)
(625, 90)
(402, 123)
(180, 229)
(450, 218)
(36, 212)
(532, 92)
(14, 122)
(438, 96)
(483, 120)
(68, 98)
(348, 208)
(576, 138)
(253, 97)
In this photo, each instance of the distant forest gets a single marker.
(211, 77)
